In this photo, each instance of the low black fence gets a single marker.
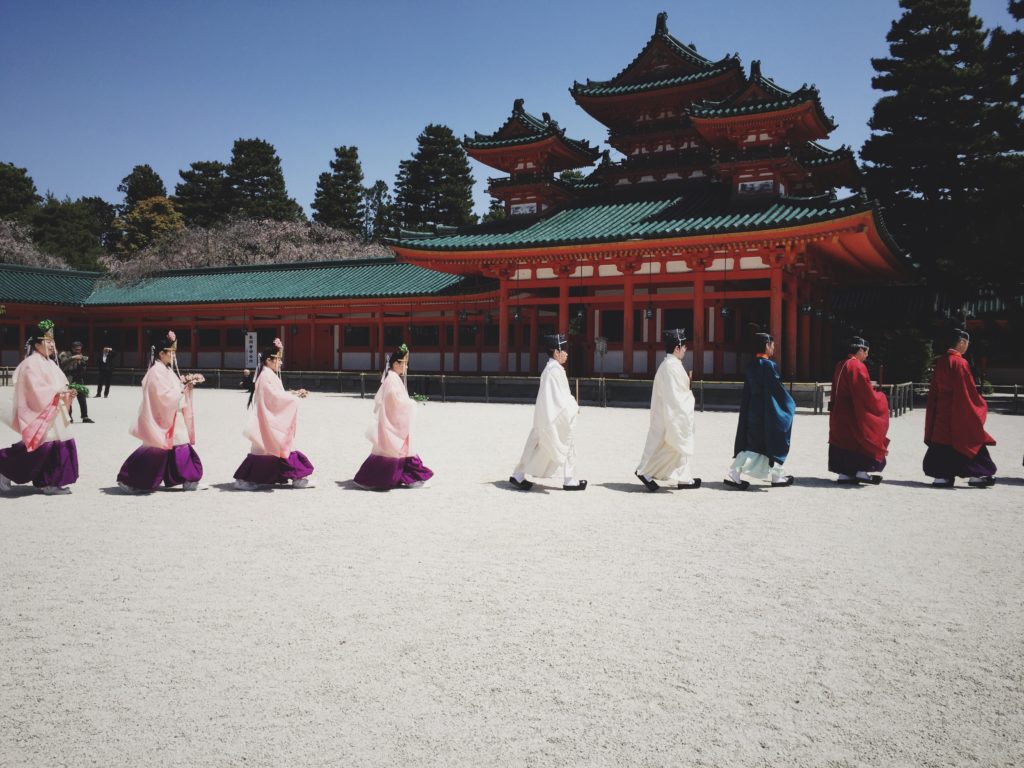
(603, 392)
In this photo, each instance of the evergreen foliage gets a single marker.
(202, 194)
(435, 186)
(938, 158)
(378, 212)
(142, 183)
(73, 230)
(150, 220)
(255, 183)
(338, 201)
(17, 191)
(495, 211)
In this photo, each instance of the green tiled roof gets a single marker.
(323, 280)
(45, 286)
(610, 88)
(535, 129)
(711, 109)
(813, 154)
(701, 211)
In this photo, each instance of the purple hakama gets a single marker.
(944, 462)
(386, 472)
(264, 469)
(147, 467)
(53, 463)
(845, 462)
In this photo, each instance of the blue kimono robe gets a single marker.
(766, 413)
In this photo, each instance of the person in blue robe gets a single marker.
(766, 422)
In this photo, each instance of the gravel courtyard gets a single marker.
(467, 624)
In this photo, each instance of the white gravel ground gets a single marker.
(466, 624)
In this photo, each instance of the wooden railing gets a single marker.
(601, 391)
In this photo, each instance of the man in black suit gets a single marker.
(73, 364)
(106, 370)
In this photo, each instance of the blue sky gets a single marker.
(90, 89)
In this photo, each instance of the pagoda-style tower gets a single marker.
(677, 115)
(531, 151)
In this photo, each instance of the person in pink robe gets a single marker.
(271, 431)
(46, 455)
(390, 464)
(166, 427)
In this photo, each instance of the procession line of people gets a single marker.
(47, 457)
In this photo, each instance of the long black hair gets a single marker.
(269, 351)
(395, 356)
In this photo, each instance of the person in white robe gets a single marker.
(669, 447)
(550, 447)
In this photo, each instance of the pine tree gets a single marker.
(17, 191)
(202, 196)
(338, 201)
(378, 212)
(435, 186)
(73, 230)
(151, 220)
(496, 211)
(142, 183)
(929, 132)
(256, 183)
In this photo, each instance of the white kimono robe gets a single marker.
(669, 445)
(550, 445)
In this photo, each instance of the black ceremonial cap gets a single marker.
(554, 340)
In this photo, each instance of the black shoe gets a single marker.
(650, 485)
(981, 482)
(521, 485)
(689, 487)
(870, 479)
(786, 481)
(742, 485)
(581, 487)
(87, 420)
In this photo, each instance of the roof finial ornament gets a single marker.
(517, 105)
(546, 117)
(661, 27)
(755, 69)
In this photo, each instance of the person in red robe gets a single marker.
(954, 424)
(858, 420)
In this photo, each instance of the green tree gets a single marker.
(17, 191)
(495, 211)
(149, 221)
(435, 186)
(256, 183)
(202, 197)
(338, 201)
(378, 212)
(931, 132)
(73, 230)
(142, 183)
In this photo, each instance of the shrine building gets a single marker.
(720, 215)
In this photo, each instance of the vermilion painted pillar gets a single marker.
(790, 346)
(563, 300)
(534, 333)
(503, 325)
(457, 338)
(699, 313)
(627, 323)
(775, 309)
(805, 335)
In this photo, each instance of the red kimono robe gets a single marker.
(858, 420)
(956, 410)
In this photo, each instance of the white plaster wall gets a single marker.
(489, 362)
(208, 359)
(355, 361)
